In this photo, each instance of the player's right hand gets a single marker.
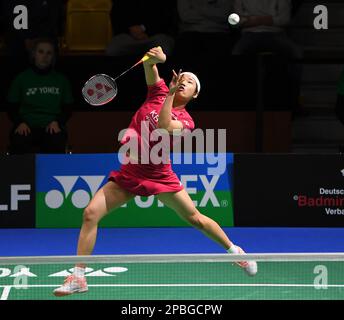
(156, 55)
(23, 129)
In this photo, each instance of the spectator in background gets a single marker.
(40, 100)
(204, 30)
(204, 44)
(2, 26)
(139, 25)
(263, 24)
(44, 20)
(296, 5)
(339, 108)
(2, 18)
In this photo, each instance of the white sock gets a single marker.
(79, 272)
(233, 249)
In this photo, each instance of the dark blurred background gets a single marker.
(267, 100)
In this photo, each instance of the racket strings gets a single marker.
(100, 89)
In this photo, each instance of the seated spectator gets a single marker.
(204, 29)
(2, 19)
(139, 25)
(339, 108)
(263, 24)
(39, 107)
(204, 44)
(296, 5)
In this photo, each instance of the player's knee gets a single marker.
(197, 221)
(90, 215)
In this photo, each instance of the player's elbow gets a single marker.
(163, 124)
(168, 129)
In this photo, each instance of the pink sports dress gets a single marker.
(150, 179)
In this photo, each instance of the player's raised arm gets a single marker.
(165, 118)
(156, 55)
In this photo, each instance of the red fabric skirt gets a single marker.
(146, 180)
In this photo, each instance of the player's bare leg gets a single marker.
(109, 197)
(182, 204)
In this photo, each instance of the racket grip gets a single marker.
(146, 57)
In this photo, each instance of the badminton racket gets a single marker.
(101, 88)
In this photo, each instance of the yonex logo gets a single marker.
(43, 90)
(209, 187)
(17, 272)
(23, 271)
(208, 183)
(80, 198)
(90, 272)
(99, 89)
(31, 91)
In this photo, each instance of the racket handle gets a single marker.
(146, 57)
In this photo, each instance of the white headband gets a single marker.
(193, 76)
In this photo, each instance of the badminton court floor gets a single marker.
(180, 281)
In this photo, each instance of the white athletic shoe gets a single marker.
(72, 284)
(250, 267)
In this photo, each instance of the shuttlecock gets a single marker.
(233, 19)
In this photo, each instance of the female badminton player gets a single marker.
(164, 108)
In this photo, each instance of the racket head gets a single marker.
(99, 90)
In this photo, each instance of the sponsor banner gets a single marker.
(290, 190)
(66, 183)
(17, 193)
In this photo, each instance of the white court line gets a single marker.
(188, 285)
(173, 258)
(5, 292)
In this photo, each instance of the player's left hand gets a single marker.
(156, 55)
(53, 127)
(175, 81)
